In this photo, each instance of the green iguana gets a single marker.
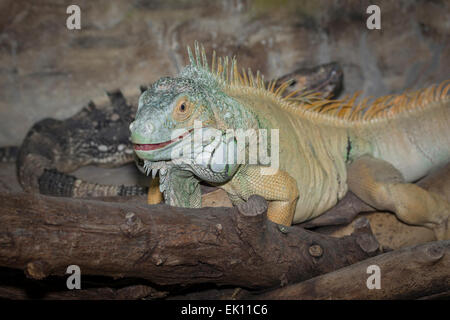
(374, 147)
(99, 135)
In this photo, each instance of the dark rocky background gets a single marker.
(48, 70)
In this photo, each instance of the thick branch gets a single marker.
(165, 245)
(409, 273)
(127, 293)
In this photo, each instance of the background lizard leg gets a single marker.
(382, 186)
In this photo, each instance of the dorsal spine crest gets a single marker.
(342, 111)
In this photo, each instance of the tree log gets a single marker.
(409, 273)
(168, 246)
(127, 293)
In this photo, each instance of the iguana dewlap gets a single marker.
(326, 147)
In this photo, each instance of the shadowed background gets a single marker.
(47, 70)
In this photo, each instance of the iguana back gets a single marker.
(319, 137)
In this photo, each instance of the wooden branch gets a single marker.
(165, 245)
(126, 293)
(415, 272)
(343, 213)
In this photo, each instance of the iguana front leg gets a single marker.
(280, 189)
(180, 188)
(382, 186)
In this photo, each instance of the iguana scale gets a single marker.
(373, 147)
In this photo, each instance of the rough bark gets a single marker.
(168, 246)
(415, 272)
(127, 293)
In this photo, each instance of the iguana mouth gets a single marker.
(155, 146)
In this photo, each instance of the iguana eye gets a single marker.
(183, 109)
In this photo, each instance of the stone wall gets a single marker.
(47, 70)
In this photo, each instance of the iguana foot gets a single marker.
(280, 189)
(154, 195)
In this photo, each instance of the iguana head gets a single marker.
(167, 113)
(173, 110)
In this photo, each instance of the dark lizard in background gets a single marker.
(99, 135)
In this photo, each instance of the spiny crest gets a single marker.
(371, 108)
(223, 72)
